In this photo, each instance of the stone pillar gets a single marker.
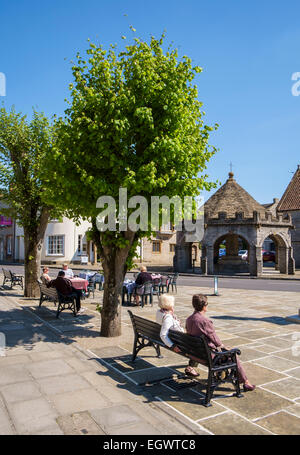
(255, 261)
(283, 259)
(182, 258)
(276, 257)
(204, 265)
(291, 262)
(210, 259)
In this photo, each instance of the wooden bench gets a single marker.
(64, 302)
(147, 333)
(8, 275)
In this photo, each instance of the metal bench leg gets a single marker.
(157, 348)
(134, 351)
(209, 391)
(41, 299)
(236, 384)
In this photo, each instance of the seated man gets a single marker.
(64, 287)
(141, 279)
(45, 278)
(68, 272)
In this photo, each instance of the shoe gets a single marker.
(249, 388)
(82, 310)
(190, 371)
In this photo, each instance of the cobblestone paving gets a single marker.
(254, 321)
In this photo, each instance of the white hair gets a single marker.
(166, 302)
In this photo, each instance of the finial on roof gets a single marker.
(231, 174)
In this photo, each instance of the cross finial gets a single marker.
(230, 164)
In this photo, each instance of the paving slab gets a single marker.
(289, 354)
(13, 373)
(232, 424)
(189, 404)
(6, 427)
(13, 360)
(281, 423)
(115, 417)
(250, 354)
(295, 372)
(62, 384)
(254, 404)
(31, 416)
(276, 363)
(288, 387)
(141, 428)
(78, 401)
(21, 391)
(260, 375)
(293, 409)
(79, 423)
(49, 368)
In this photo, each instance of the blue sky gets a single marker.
(248, 52)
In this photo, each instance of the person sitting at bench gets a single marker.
(141, 279)
(168, 320)
(199, 325)
(45, 278)
(68, 272)
(64, 287)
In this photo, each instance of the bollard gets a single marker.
(216, 286)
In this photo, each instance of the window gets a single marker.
(82, 245)
(56, 245)
(79, 243)
(155, 246)
(172, 247)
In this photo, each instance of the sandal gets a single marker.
(190, 371)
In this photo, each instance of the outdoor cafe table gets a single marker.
(128, 287)
(79, 283)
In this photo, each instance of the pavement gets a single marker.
(59, 376)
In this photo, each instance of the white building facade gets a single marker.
(64, 241)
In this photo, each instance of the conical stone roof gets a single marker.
(291, 198)
(232, 198)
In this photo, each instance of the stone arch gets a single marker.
(284, 261)
(231, 262)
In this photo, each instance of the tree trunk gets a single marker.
(32, 265)
(114, 272)
(33, 240)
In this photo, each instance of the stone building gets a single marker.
(290, 204)
(232, 217)
(160, 249)
(7, 234)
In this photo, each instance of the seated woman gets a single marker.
(141, 279)
(168, 320)
(45, 278)
(198, 324)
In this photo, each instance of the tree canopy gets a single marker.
(133, 121)
(24, 146)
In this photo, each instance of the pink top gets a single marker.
(197, 325)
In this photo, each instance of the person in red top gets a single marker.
(198, 324)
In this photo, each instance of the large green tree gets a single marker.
(24, 146)
(133, 121)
